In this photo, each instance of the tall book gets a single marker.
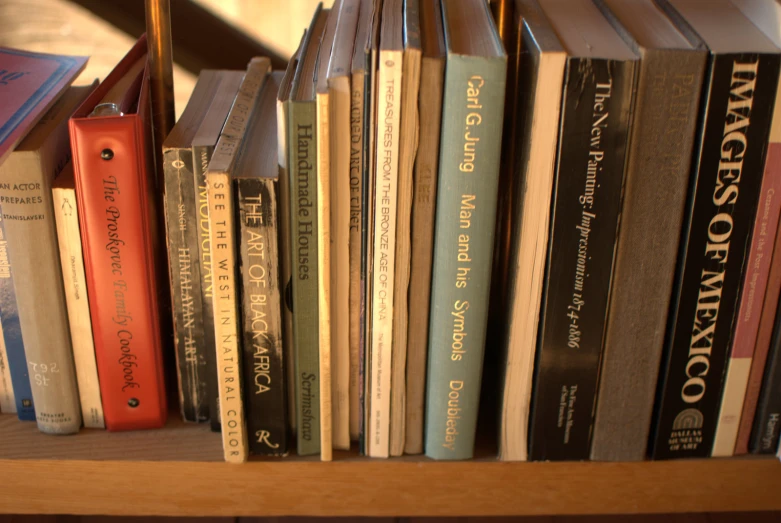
(669, 82)
(255, 181)
(389, 88)
(203, 144)
(473, 98)
(7, 399)
(116, 193)
(12, 336)
(285, 271)
(302, 173)
(222, 229)
(181, 219)
(767, 422)
(363, 118)
(326, 270)
(26, 179)
(762, 280)
(66, 214)
(340, 96)
(728, 167)
(596, 112)
(424, 199)
(408, 147)
(541, 64)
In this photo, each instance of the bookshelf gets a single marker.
(178, 471)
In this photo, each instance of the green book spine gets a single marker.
(302, 169)
(463, 246)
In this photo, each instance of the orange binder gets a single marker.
(115, 187)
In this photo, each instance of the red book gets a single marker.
(115, 186)
(29, 84)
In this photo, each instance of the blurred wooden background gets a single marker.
(66, 27)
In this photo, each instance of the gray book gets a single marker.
(663, 134)
(28, 214)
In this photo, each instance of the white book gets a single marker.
(340, 101)
(72, 261)
(541, 66)
(385, 200)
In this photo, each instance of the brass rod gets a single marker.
(161, 66)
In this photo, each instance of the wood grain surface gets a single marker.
(122, 473)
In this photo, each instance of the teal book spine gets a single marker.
(471, 139)
(302, 169)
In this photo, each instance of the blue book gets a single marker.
(12, 332)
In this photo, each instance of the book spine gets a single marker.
(226, 328)
(585, 212)
(12, 334)
(767, 423)
(408, 146)
(383, 260)
(28, 214)
(424, 195)
(302, 166)
(261, 314)
(324, 273)
(663, 136)
(717, 229)
(751, 298)
(202, 154)
(184, 273)
(473, 100)
(357, 103)
(340, 97)
(766, 322)
(72, 262)
(284, 259)
(7, 400)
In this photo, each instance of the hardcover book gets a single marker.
(203, 144)
(473, 97)
(424, 199)
(66, 214)
(408, 146)
(541, 62)
(728, 167)
(389, 88)
(596, 111)
(302, 173)
(222, 229)
(663, 133)
(255, 183)
(116, 195)
(767, 422)
(28, 214)
(339, 94)
(30, 83)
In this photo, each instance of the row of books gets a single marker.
(330, 237)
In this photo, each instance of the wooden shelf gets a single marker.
(177, 471)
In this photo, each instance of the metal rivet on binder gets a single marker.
(107, 154)
(133, 402)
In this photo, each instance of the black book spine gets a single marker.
(265, 387)
(201, 157)
(728, 169)
(767, 421)
(595, 119)
(180, 207)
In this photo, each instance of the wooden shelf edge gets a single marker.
(386, 488)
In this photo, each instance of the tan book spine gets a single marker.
(385, 194)
(324, 274)
(7, 398)
(72, 263)
(408, 147)
(355, 239)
